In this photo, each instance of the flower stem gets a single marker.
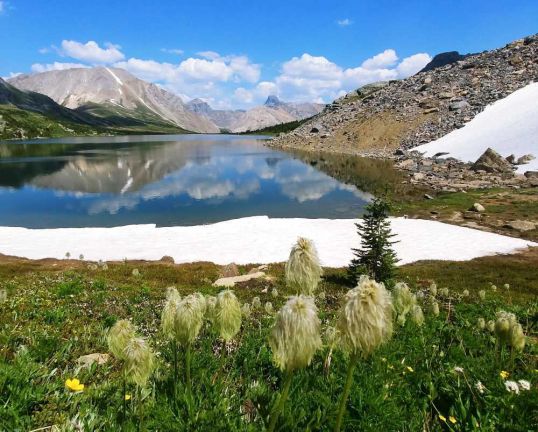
(281, 401)
(188, 369)
(174, 349)
(345, 394)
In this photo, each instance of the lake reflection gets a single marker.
(166, 180)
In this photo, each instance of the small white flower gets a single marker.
(512, 386)
(458, 369)
(480, 387)
(524, 385)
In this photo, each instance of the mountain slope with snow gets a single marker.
(113, 93)
(508, 126)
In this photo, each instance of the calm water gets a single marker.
(166, 180)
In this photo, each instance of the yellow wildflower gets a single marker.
(452, 420)
(410, 369)
(442, 417)
(504, 374)
(127, 397)
(74, 385)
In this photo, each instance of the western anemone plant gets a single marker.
(404, 301)
(303, 271)
(364, 323)
(294, 340)
(227, 315)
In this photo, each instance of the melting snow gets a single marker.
(253, 240)
(115, 76)
(508, 126)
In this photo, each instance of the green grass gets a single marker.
(277, 129)
(57, 311)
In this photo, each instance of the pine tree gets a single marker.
(375, 258)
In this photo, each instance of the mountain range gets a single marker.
(111, 100)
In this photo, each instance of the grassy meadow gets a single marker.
(448, 374)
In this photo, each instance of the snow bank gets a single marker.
(252, 240)
(508, 126)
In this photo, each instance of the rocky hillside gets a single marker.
(419, 109)
(114, 95)
(272, 113)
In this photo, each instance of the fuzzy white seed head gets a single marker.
(506, 286)
(303, 271)
(140, 361)
(245, 310)
(403, 300)
(433, 289)
(256, 303)
(268, 308)
(274, 293)
(493, 288)
(434, 308)
(330, 336)
(482, 294)
(365, 319)
(136, 272)
(168, 315)
(227, 315)
(210, 309)
(481, 324)
(443, 292)
(490, 326)
(295, 337)
(517, 337)
(119, 336)
(417, 316)
(503, 324)
(189, 318)
(3, 295)
(465, 293)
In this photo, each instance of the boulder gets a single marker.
(168, 259)
(477, 207)
(89, 359)
(472, 215)
(525, 159)
(229, 282)
(511, 159)
(229, 270)
(531, 174)
(520, 225)
(492, 162)
(459, 105)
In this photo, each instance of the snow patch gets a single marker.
(115, 76)
(508, 126)
(253, 240)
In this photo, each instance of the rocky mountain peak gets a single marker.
(199, 106)
(444, 59)
(273, 101)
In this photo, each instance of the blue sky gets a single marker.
(234, 53)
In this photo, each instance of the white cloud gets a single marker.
(91, 52)
(176, 51)
(411, 65)
(40, 67)
(381, 60)
(344, 22)
(2, 7)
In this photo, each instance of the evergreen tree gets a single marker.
(375, 258)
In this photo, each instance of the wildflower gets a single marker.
(511, 386)
(268, 307)
(127, 397)
(3, 295)
(493, 288)
(331, 336)
(465, 293)
(480, 387)
(506, 286)
(119, 336)
(365, 320)
(211, 304)
(245, 310)
(303, 271)
(503, 325)
(256, 303)
(517, 337)
(417, 316)
(410, 369)
(503, 374)
(443, 292)
(274, 293)
(140, 361)
(458, 369)
(168, 315)
(433, 289)
(189, 318)
(404, 301)
(296, 334)
(481, 324)
(74, 385)
(227, 314)
(104, 266)
(482, 294)
(491, 326)
(442, 417)
(136, 272)
(434, 308)
(524, 385)
(452, 419)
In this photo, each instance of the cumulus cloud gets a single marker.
(344, 22)
(91, 52)
(40, 67)
(2, 6)
(175, 51)
(412, 64)
(385, 59)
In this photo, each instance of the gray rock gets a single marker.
(477, 207)
(525, 159)
(229, 270)
(472, 215)
(492, 162)
(531, 174)
(428, 196)
(520, 225)
(229, 282)
(511, 159)
(89, 359)
(459, 105)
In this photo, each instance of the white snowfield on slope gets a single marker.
(253, 240)
(508, 126)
